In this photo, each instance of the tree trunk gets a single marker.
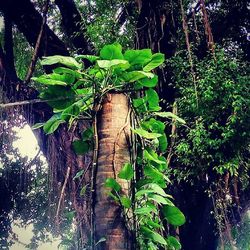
(113, 153)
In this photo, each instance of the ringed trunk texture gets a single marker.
(113, 153)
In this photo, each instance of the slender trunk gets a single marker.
(113, 152)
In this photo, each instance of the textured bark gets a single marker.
(113, 152)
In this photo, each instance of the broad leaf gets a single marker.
(126, 202)
(63, 70)
(72, 111)
(149, 82)
(152, 157)
(153, 100)
(126, 172)
(111, 51)
(173, 243)
(139, 57)
(115, 63)
(169, 115)
(91, 58)
(61, 97)
(145, 134)
(157, 60)
(157, 189)
(80, 147)
(154, 236)
(52, 124)
(173, 215)
(64, 60)
(45, 79)
(143, 192)
(140, 105)
(163, 143)
(65, 77)
(133, 76)
(153, 173)
(161, 200)
(154, 125)
(144, 210)
(87, 134)
(112, 183)
(153, 224)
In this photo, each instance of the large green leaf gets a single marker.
(72, 111)
(126, 172)
(111, 51)
(173, 243)
(61, 97)
(153, 173)
(157, 60)
(91, 58)
(169, 115)
(157, 189)
(87, 134)
(126, 202)
(144, 210)
(145, 134)
(173, 215)
(151, 156)
(153, 224)
(149, 82)
(140, 105)
(163, 143)
(64, 60)
(161, 200)
(63, 70)
(52, 124)
(153, 125)
(154, 236)
(65, 77)
(80, 147)
(133, 76)
(115, 63)
(46, 79)
(139, 57)
(112, 183)
(153, 100)
(142, 192)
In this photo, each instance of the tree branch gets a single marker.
(29, 21)
(74, 27)
(8, 47)
(38, 43)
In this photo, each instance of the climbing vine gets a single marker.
(75, 92)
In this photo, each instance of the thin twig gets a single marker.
(62, 194)
(185, 29)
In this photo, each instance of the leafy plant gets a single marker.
(74, 92)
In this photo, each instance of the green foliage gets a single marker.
(217, 132)
(126, 172)
(113, 70)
